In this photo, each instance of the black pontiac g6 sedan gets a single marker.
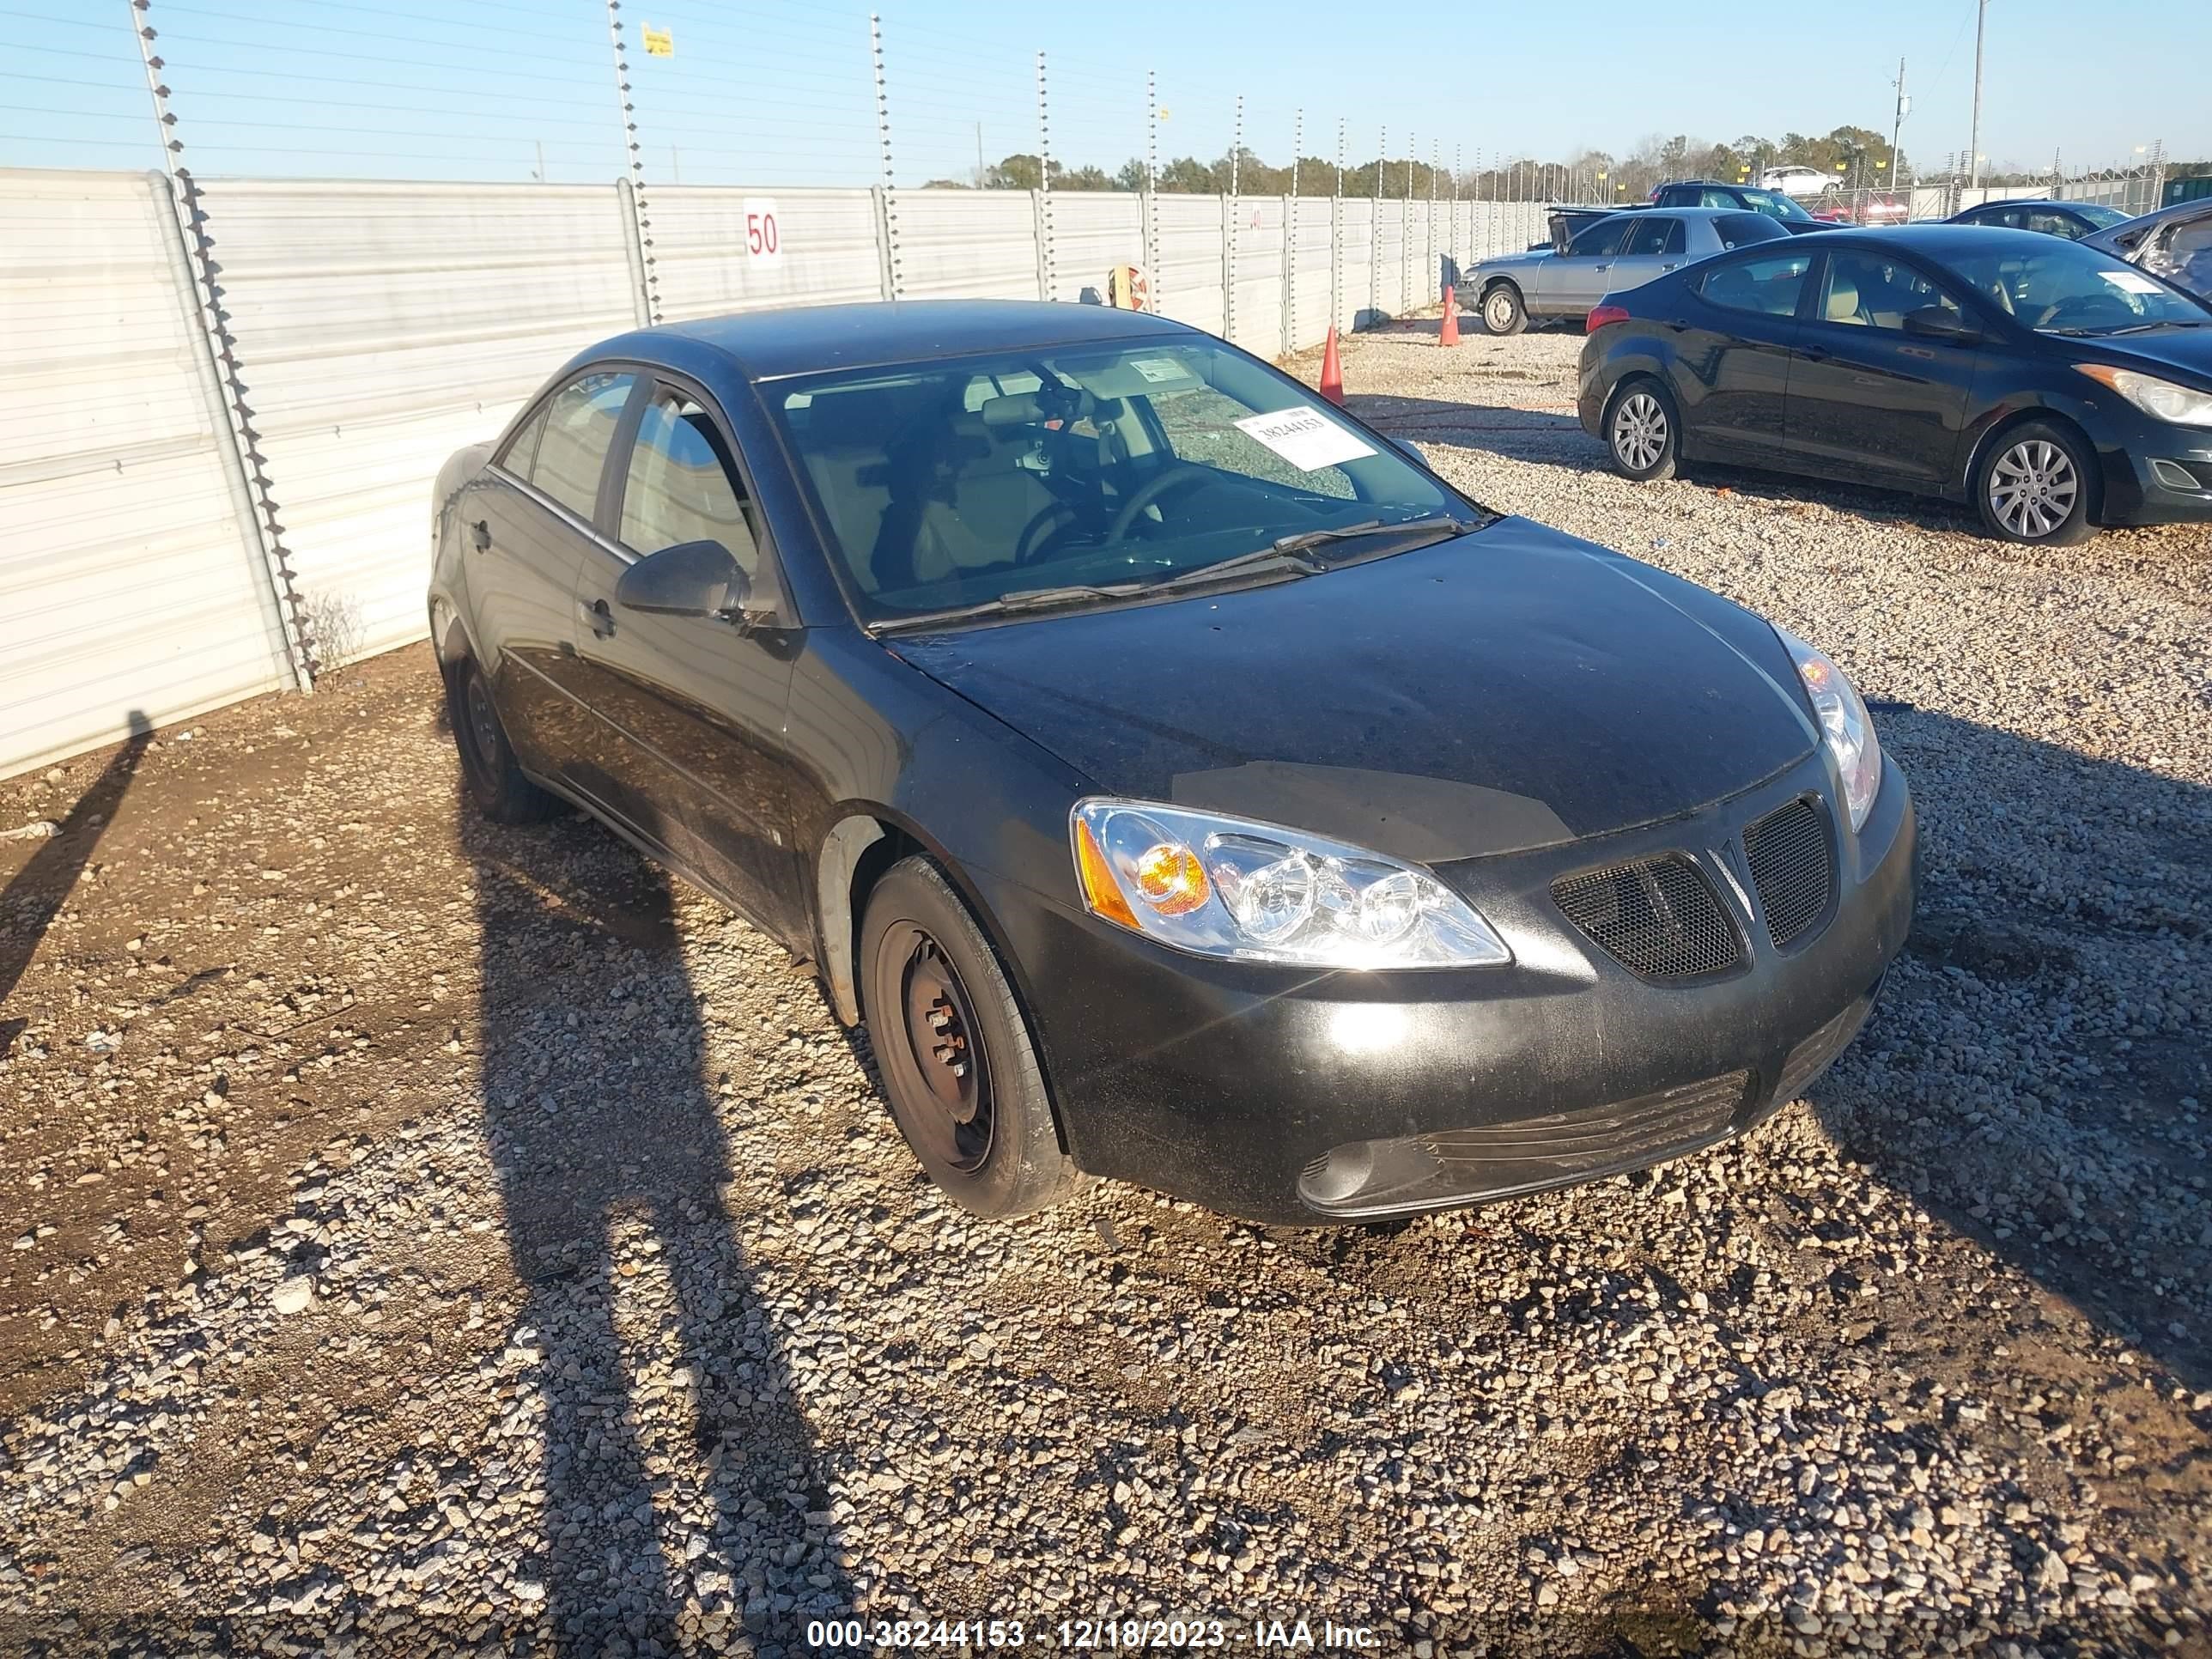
(1183, 782)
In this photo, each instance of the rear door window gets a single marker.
(1742, 229)
(1768, 285)
(580, 429)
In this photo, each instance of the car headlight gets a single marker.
(1843, 723)
(1225, 886)
(2161, 400)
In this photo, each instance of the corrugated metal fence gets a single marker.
(378, 327)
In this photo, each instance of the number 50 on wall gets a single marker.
(763, 236)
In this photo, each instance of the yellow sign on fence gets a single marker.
(660, 43)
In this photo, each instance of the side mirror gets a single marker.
(1411, 451)
(691, 579)
(1941, 323)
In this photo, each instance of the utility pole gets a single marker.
(979, 156)
(1152, 187)
(1974, 133)
(1896, 128)
(1044, 185)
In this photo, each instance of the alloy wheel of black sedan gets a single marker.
(2034, 489)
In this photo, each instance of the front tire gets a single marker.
(494, 780)
(1502, 310)
(954, 1049)
(1643, 430)
(2036, 485)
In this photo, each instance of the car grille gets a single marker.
(1596, 1137)
(1657, 916)
(1792, 867)
(1525, 1155)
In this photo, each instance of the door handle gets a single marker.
(1814, 354)
(480, 533)
(1670, 265)
(600, 618)
(1607, 265)
(1678, 323)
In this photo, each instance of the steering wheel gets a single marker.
(1177, 477)
(1057, 515)
(2086, 311)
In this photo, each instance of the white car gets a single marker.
(1794, 181)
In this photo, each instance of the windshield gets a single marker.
(952, 484)
(2058, 286)
(1775, 205)
(2103, 218)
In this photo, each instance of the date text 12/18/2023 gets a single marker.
(1092, 1635)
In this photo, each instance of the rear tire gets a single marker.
(954, 1049)
(488, 769)
(1643, 430)
(1502, 310)
(2037, 484)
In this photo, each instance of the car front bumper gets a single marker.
(1291, 1096)
(2155, 472)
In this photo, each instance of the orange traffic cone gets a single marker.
(1449, 333)
(1332, 372)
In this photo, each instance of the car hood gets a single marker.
(2187, 349)
(1515, 261)
(1510, 689)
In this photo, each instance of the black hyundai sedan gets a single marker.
(1182, 783)
(2054, 386)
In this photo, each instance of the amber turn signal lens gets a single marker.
(1170, 879)
(1100, 890)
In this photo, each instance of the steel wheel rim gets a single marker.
(2033, 487)
(938, 1048)
(483, 719)
(1497, 309)
(1639, 431)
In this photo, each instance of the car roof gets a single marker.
(1934, 236)
(1650, 208)
(804, 340)
(2022, 201)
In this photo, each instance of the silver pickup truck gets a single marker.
(1619, 252)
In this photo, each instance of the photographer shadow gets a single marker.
(680, 1473)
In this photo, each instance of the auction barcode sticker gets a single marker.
(1306, 438)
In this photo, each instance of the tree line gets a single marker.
(1855, 157)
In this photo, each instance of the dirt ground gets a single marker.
(426, 1235)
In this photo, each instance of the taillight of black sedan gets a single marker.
(1182, 783)
(2054, 387)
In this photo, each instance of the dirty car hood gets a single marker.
(1509, 688)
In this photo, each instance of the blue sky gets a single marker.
(779, 93)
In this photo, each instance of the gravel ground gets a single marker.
(427, 1236)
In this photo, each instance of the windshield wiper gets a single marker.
(1277, 557)
(1287, 553)
(2125, 328)
(1443, 527)
(1022, 598)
